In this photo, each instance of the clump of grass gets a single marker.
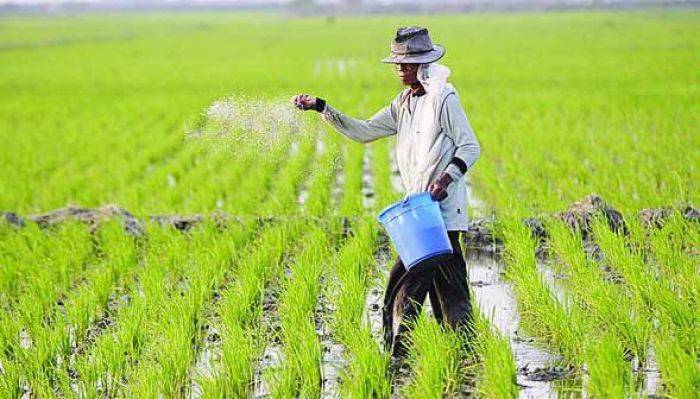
(497, 378)
(545, 317)
(660, 272)
(609, 374)
(240, 311)
(365, 374)
(434, 359)
(300, 372)
(607, 304)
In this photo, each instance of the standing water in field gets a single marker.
(240, 123)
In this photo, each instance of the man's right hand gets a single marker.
(304, 101)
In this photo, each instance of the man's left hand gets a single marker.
(438, 189)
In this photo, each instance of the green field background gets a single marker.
(564, 104)
(100, 109)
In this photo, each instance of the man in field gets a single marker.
(435, 146)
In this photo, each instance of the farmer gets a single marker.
(435, 147)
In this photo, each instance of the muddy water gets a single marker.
(272, 356)
(209, 354)
(368, 197)
(339, 181)
(375, 297)
(650, 376)
(495, 298)
(332, 361)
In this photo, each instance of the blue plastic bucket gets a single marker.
(416, 228)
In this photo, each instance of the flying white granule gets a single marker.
(236, 123)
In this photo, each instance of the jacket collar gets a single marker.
(421, 91)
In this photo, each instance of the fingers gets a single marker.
(437, 192)
(297, 101)
(303, 101)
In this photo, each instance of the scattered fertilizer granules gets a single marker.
(234, 123)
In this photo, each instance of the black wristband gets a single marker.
(320, 104)
(458, 162)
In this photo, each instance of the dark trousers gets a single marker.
(443, 279)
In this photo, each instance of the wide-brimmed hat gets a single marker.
(412, 45)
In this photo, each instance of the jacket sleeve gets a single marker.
(456, 126)
(382, 124)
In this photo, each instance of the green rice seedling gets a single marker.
(324, 173)
(615, 326)
(434, 359)
(365, 371)
(103, 367)
(673, 251)
(288, 184)
(365, 374)
(255, 187)
(572, 329)
(381, 172)
(544, 316)
(351, 203)
(242, 337)
(33, 336)
(11, 381)
(678, 363)
(607, 303)
(654, 294)
(170, 352)
(496, 378)
(86, 304)
(609, 376)
(299, 373)
(240, 312)
(38, 265)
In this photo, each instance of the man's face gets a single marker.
(407, 73)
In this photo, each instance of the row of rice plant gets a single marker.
(612, 326)
(239, 313)
(351, 203)
(152, 336)
(604, 321)
(39, 340)
(299, 374)
(167, 352)
(496, 368)
(299, 371)
(364, 372)
(38, 265)
(644, 262)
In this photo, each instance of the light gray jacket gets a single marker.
(422, 156)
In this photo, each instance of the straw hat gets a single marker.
(412, 45)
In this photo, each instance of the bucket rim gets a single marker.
(430, 256)
(410, 198)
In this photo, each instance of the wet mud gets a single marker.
(536, 368)
(368, 195)
(332, 360)
(272, 355)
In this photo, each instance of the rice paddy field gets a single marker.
(173, 228)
